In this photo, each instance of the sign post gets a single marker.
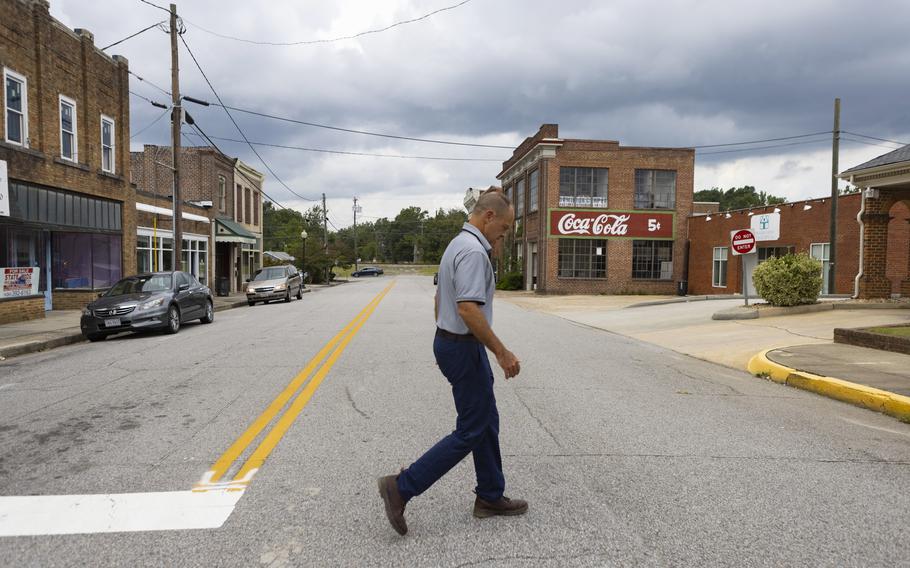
(743, 242)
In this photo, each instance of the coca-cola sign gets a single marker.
(607, 224)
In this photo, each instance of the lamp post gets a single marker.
(303, 237)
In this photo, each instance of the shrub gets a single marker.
(790, 280)
(510, 281)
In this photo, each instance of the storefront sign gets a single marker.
(611, 224)
(766, 226)
(19, 282)
(4, 191)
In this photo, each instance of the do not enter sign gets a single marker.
(743, 241)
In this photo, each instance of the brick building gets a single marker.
(885, 185)
(222, 214)
(65, 149)
(804, 227)
(593, 216)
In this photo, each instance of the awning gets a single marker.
(231, 232)
(279, 256)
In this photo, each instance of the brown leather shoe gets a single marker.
(394, 504)
(504, 506)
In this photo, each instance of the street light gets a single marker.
(303, 236)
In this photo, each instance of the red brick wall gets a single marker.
(75, 300)
(622, 163)
(799, 229)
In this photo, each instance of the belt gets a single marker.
(456, 336)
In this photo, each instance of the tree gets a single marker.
(281, 232)
(738, 197)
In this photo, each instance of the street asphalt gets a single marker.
(628, 453)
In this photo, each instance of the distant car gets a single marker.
(367, 271)
(274, 283)
(157, 300)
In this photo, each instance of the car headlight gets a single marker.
(281, 286)
(86, 311)
(150, 304)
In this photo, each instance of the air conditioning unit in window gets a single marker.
(666, 270)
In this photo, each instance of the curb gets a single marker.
(738, 313)
(680, 300)
(40, 345)
(871, 398)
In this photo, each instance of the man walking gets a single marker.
(464, 316)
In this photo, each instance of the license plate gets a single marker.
(112, 322)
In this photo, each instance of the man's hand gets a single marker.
(510, 364)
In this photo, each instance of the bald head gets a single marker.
(493, 200)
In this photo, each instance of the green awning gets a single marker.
(232, 232)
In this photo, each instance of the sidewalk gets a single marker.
(61, 327)
(797, 350)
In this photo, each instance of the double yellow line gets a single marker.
(333, 349)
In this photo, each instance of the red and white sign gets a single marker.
(743, 241)
(606, 224)
(19, 282)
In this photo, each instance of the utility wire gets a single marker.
(760, 141)
(874, 138)
(866, 142)
(762, 147)
(144, 80)
(151, 124)
(204, 136)
(132, 36)
(253, 148)
(155, 6)
(316, 41)
(364, 132)
(349, 153)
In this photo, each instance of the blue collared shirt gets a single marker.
(465, 275)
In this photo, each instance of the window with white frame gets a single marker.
(222, 193)
(68, 137)
(155, 249)
(822, 252)
(15, 101)
(533, 190)
(719, 270)
(108, 144)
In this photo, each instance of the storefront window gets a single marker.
(652, 260)
(85, 260)
(582, 258)
(22, 248)
(143, 254)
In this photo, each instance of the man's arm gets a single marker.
(477, 324)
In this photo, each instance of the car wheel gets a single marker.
(250, 303)
(209, 316)
(287, 296)
(93, 337)
(173, 320)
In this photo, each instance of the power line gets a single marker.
(155, 6)
(874, 138)
(867, 143)
(151, 124)
(760, 141)
(762, 147)
(316, 41)
(364, 132)
(143, 30)
(144, 80)
(349, 153)
(204, 136)
(237, 126)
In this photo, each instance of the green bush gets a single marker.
(790, 280)
(510, 281)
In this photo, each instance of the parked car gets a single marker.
(157, 300)
(367, 271)
(274, 283)
(435, 278)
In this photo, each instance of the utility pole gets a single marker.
(176, 122)
(325, 239)
(355, 233)
(832, 239)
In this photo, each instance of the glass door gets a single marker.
(822, 252)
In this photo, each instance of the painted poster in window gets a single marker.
(611, 224)
(19, 282)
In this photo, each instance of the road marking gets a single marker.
(209, 504)
(212, 478)
(124, 512)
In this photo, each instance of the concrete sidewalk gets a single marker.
(61, 327)
(778, 347)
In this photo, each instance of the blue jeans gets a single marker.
(467, 368)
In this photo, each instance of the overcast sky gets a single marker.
(669, 73)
